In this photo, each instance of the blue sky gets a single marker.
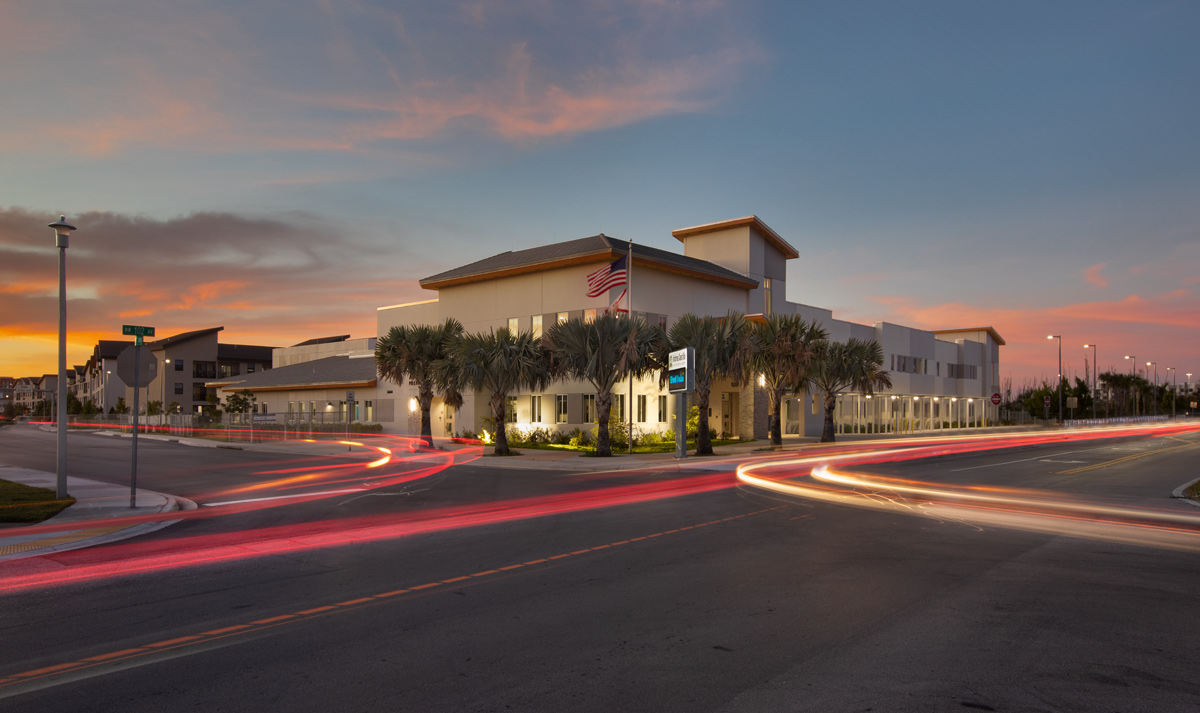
(1033, 166)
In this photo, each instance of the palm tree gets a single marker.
(412, 351)
(856, 364)
(723, 349)
(498, 362)
(602, 352)
(783, 350)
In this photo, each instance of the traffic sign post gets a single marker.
(349, 413)
(133, 376)
(681, 379)
(1046, 401)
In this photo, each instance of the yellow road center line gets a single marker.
(1123, 459)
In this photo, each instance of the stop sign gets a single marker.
(995, 399)
(147, 366)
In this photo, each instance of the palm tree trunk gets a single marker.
(775, 416)
(425, 401)
(827, 434)
(703, 440)
(603, 409)
(498, 414)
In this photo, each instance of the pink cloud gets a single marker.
(1095, 277)
(1163, 328)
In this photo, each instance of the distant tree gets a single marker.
(855, 364)
(240, 401)
(174, 407)
(74, 406)
(89, 408)
(153, 408)
(121, 406)
(413, 352)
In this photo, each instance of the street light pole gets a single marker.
(62, 232)
(1095, 368)
(1173, 390)
(1154, 391)
(1060, 375)
(1134, 366)
(162, 404)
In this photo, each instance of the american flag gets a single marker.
(607, 277)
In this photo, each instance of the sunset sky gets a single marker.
(283, 168)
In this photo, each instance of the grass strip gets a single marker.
(26, 504)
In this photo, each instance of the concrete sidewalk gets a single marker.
(95, 503)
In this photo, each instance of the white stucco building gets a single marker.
(940, 377)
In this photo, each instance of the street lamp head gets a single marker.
(62, 229)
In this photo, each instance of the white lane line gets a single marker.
(284, 497)
(1023, 460)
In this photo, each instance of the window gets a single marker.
(617, 413)
(662, 408)
(641, 408)
(589, 315)
(178, 388)
(535, 409)
(204, 370)
(589, 408)
(536, 325)
(312, 406)
(199, 393)
(766, 296)
(291, 406)
(370, 410)
(512, 325)
(227, 370)
(662, 321)
(510, 410)
(249, 368)
(560, 408)
(562, 317)
(178, 365)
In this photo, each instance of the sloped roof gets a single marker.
(990, 330)
(110, 348)
(185, 336)
(327, 373)
(244, 352)
(597, 248)
(323, 340)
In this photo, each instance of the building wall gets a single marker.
(286, 356)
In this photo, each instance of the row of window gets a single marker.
(916, 365)
(589, 408)
(363, 410)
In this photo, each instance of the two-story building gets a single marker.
(940, 378)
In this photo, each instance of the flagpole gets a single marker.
(629, 286)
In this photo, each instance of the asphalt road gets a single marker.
(729, 599)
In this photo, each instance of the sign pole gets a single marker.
(137, 346)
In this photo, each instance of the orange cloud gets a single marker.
(1093, 276)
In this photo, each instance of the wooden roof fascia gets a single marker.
(596, 256)
(314, 387)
